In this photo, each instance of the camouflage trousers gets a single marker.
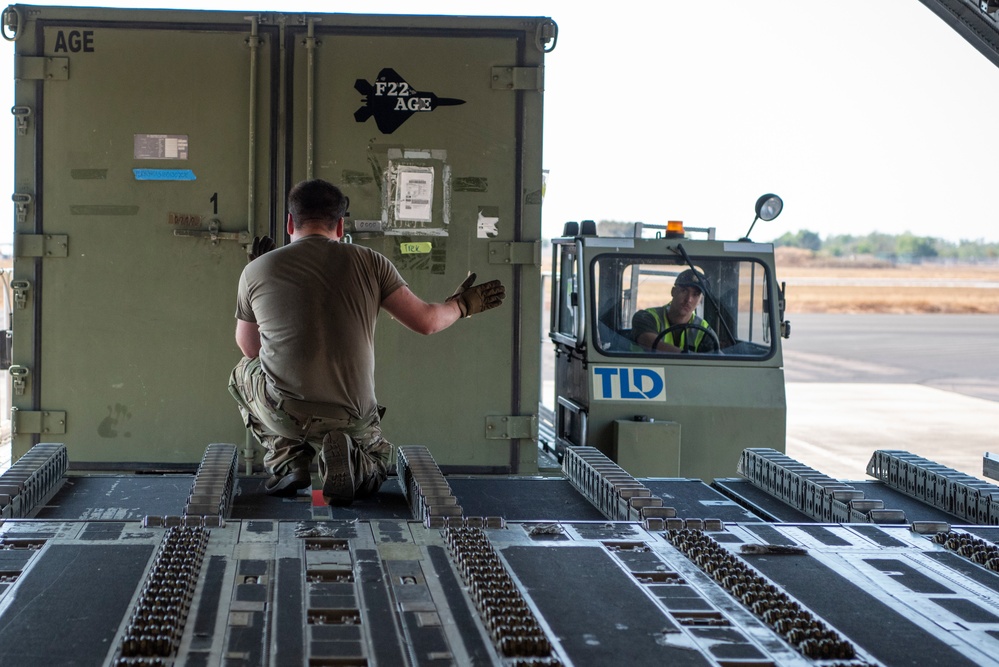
(291, 434)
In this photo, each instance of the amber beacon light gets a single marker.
(674, 229)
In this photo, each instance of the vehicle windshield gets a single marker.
(657, 305)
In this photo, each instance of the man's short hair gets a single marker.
(316, 202)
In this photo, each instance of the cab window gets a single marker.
(722, 310)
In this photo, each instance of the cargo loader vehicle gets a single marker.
(683, 413)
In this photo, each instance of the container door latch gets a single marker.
(214, 235)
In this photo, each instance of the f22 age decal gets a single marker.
(392, 100)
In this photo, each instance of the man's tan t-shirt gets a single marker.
(316, 302)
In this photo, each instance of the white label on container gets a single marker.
(160, 147)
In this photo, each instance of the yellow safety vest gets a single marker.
(662, 323)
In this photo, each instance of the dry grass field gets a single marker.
(815, 286)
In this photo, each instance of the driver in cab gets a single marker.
(686, 332)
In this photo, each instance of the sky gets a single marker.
(863, 115)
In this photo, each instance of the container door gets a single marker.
(435, 137)
(139, 159)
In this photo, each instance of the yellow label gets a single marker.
(416, 248)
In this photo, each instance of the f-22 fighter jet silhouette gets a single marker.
(391, 100)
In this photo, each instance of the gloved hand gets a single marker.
(474, 299)
(261, 244)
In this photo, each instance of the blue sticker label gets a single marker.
(629, 383)
(164, 175)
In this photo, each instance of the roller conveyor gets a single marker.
(527, 571)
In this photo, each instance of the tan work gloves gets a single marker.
(474, 299)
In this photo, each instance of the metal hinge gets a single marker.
(33, 68)
(518, 78)
(507, 252)
(26, 422)
(20, 289)
(510, 428)
(41, 245)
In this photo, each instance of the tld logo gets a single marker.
(628, 383)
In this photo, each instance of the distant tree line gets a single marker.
(897, 247)
(906, 247)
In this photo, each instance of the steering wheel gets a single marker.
(687, 325)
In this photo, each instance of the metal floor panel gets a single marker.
(251, 502)
(522, 499)
(884, 631)
(132, 497)
(511, 571)
(693, 499)
(387, 591)
(68, 604)
(598, 613)
(759, 501)
(118, 497)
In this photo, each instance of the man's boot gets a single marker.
(335, 469)
(287, 482)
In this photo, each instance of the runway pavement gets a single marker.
(927, 384)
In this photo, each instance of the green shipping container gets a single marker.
(153, 145)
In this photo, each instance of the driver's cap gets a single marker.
(692, 278)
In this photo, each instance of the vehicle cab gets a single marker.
(688, 403)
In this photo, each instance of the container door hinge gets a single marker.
(26, 422)
(41, 245)
(20, 289)
(524, 252)
(35, 68)
(511, 428)
(21, 115)
(518, 78)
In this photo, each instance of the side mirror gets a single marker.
(768, 207)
